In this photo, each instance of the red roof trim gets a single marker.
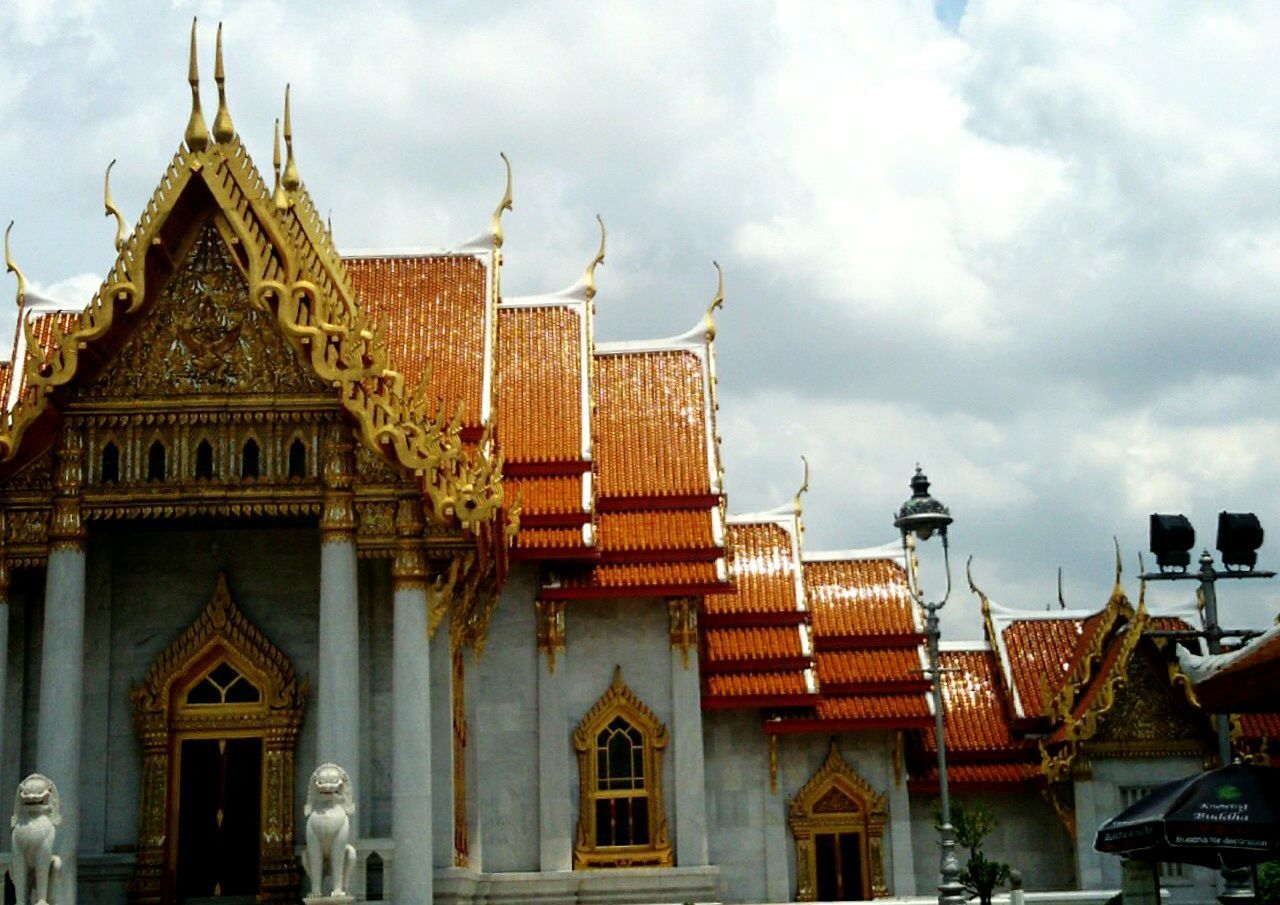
(862, 642)
(788, 726)
(900, 686)
(759, 664)
(695, 554)
(567, 468)
(657, 590)
(626, 503)
(755, 702)
(752, 620)
(555, 520)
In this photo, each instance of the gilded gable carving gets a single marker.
(202, 335)
(1146, 711)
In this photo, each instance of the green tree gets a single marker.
(981, 875)
(1269, 883)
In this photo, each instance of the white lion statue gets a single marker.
(330, 804)
(36, 815)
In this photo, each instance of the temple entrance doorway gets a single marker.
(838, 821)
(839, 858)
(218, 717)
(219, 819)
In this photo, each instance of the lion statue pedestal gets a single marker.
(36, 815)
(330, 804)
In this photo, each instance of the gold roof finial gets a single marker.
(718, 302)
(197, 134)
(112, 211)
(1142, 581)
(1062, 602)
(973, 588)
(12, 266)
(277, 193)
(504, 205)
(290, 180)
(1119, 564)
(590, 276)
(223, 130)
(804, 485)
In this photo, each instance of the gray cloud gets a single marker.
(1032, 246)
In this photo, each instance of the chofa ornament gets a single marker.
(330, 804)
(36, 815)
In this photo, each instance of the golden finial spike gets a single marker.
(1062, 602)
(503, 205)
(290, 180)
(596, 261)
(197, 134)
(1142, 581)
(277, 192)
(1119, 564)
(804, 485)
(223, 130)
(13, 268)
(717, 302)
(112, 211)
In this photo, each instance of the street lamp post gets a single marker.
(1239, 537)
(921, 517)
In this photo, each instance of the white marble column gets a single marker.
(338, 697)
(442, 744)
(904, 867)
(467, 683)
(555, 753)
(686, 736)
(411, 775)
(62, 659)
(777, 853)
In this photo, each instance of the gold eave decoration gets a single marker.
(295, 275)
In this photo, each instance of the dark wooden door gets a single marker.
(839, 866)
(219, 818)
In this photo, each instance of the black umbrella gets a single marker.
(1229, 817)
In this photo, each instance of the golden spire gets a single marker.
(197, 134)
(223, 131)
(804, 486)
(503, 205)
(12, 266)
(1062, 601)
(590, 276)
(277, 193)
(112, 211)
(1119, 566)
(710, 319)
(290, 180)
(973, 588)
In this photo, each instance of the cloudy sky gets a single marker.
(1032, 245)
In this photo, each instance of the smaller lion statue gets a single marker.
(36, 815)
(330, 804)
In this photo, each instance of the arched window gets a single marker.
(621, 819)
(155, 462)
(249, 459)
(224, 684)
(204, 460)
(297, 459)
(110, 463)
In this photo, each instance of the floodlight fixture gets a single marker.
(1172, 538)
(1239, 537)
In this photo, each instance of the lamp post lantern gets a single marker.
(921, 517)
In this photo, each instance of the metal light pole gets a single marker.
(922, 516)
(1239, 536)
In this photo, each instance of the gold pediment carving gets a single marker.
(202, 335)
(1147, 710)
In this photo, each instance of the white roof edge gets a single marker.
(544, 301)
(777, 515)
(963, 645)
(1005, 613)
(463, 251)
(650, 345)
(892, 550)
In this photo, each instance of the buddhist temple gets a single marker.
(267, 505)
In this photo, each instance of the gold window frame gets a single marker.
(620, 701)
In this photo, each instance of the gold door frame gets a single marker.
(837, 800)
(221, 633)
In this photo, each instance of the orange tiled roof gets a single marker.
(870, 666)
(960, 776)
(435, 309)
(977, 719)
(539, 384)
(756, 684)
(546, 495)
(763, 566)
(727, 645)
(858, 599)
(656, 529)
(1040, 653)
(1260, 725)
(549, 539)
(873, 707)
(641, 577)
(650, 425)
